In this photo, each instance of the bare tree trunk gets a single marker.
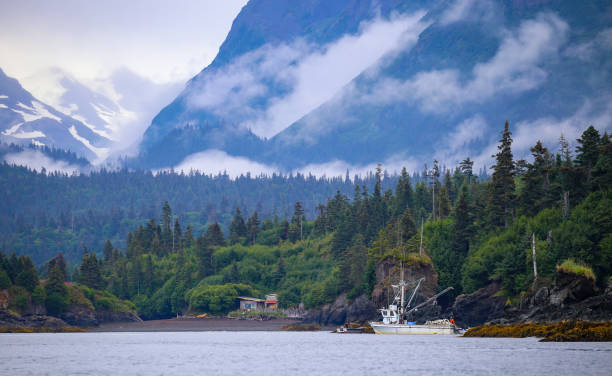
(533, 253)
(565, 204)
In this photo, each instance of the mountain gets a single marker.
(118, 107)
(25, 120)
(312, 84)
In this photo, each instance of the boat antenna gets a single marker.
(402, 283)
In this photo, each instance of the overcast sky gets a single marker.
(161, 40)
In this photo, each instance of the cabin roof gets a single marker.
(251, 299)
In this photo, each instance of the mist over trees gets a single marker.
(475, 231)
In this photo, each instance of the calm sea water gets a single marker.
(282, 353)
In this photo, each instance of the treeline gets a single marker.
(46, 213)
(27, 294)
(51, 152)
(475, 232)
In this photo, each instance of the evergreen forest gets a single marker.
(308, 239)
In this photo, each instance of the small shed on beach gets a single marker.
(270, 303)
(251, 304)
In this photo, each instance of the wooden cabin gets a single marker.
(270, 303)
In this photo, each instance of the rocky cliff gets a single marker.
(569, 297)
(363, 309)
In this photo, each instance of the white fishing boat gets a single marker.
(394, 316)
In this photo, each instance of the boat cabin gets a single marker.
(390, 316)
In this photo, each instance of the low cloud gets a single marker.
(470, 10)
(466, 132)
(515, 68)
(216, 161)
(36, 160)
(299, 77)
(588, 50)
(338, 167)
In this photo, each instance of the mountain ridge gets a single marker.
(471, 64)
(27, 120)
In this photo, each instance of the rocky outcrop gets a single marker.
(388, 273)
(569, 297)
(342, 310)
(85, 317)
(10, 319)
(80, 316)
(363, 309)
(479, 307)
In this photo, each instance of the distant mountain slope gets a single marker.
(26, 120)
(299, 85)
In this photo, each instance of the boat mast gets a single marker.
(402, 284)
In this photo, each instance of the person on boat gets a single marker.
(452, 319)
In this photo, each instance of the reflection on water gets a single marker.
(255, 353)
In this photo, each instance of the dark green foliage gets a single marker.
(56, 292)
(238, 228)
(27, 277)
(298, 219)
(38, 295)
(252, 228)
(5, 281)
(501, 186)
(485, 237)
(107, 251)
(21, 299)
(61, 264)
(217, 298)
(587, 151)
(43, 214)
(56, 303)
(90, 273)
(536, 180)
(214, 235)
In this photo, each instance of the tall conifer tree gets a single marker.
(501, 185)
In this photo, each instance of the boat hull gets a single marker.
(380, 328)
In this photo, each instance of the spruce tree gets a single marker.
(587, 152)
(501, 185)
(298, 218)
(403, 193)
(535, 181)
(107, 251)
(443, 203)
(237, 228)
(166, 235)
(466, 166)
(5, 281)
(28, 277)
(214, 235)
(462, 228)
(177, 236)
(407, 226)
(56, 293)
(252, 227)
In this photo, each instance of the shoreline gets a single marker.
(563, 331)
(195, 325)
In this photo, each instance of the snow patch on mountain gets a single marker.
(101, 153)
